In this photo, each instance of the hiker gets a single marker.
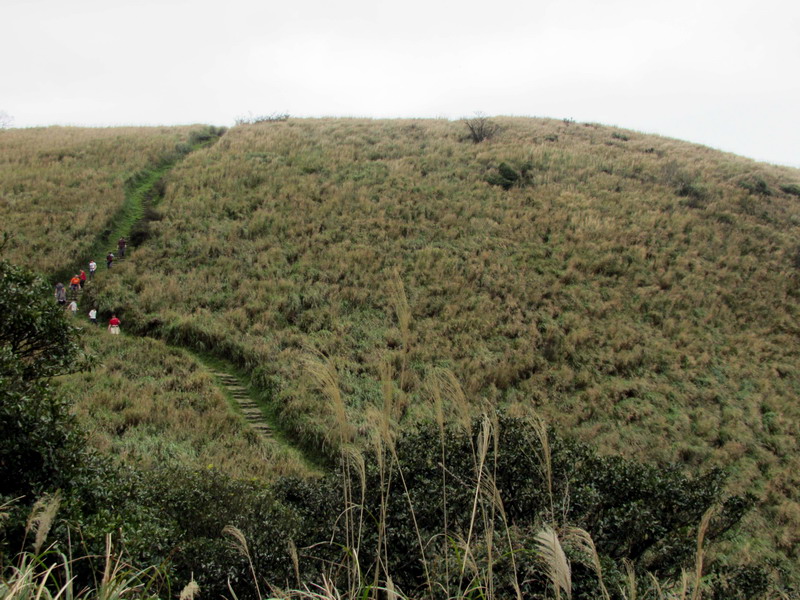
(92, 268)
(75, 283)
(113, 325)
(73, 306)
(122, 244)
(93, 316)
(61, 294)
(82, 277)
(109, 260)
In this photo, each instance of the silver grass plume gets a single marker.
(556, 565)
(41, 518)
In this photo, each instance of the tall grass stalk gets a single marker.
(555, 561)
(407, 495)
(190, 591)
(479, 466)
(540, 429)
(700, 552)
(630, 592)
(383, 427)
(239, 543)
(323, 372)
(41, 518)
(582, 541)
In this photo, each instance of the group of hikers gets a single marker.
(77, 283)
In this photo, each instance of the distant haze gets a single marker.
(718, 73)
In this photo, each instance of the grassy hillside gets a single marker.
(153, 406)
(62, 187)
(639, 293)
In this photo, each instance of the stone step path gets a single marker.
(249, 409)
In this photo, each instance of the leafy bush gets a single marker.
(506, 176)
(696, 194)
(193, 507)
(745, 582)
(796, 258)
(792, 189)
(686, 185)
(40, 448)
(205, 134)
(633, 511)
(756, 185)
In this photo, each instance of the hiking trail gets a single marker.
(140, 193)
(248, 407)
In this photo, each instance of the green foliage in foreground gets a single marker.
(39, 446)
(431, 496)
(175, 518)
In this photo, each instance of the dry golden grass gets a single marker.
(152, 405)
(60, 187)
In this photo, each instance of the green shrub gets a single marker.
(205, 134)
(633, 511)
(40, 446)
(193, 507)
(792, 189)
(756, 185)
(745, 582)
(507, 176)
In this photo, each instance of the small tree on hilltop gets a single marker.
(481, 128)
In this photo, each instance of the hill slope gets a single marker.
(641, 293)
(62, 187)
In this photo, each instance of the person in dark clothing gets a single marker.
(61, 294)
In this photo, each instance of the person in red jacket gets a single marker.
(113, 325)
(82, 277)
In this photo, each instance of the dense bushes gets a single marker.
(425, 493)
(39, 447)
(633, 511)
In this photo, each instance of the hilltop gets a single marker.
(640, 293)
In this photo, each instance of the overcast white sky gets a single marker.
(725, 73)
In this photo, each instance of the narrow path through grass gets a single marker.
(245, 399)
